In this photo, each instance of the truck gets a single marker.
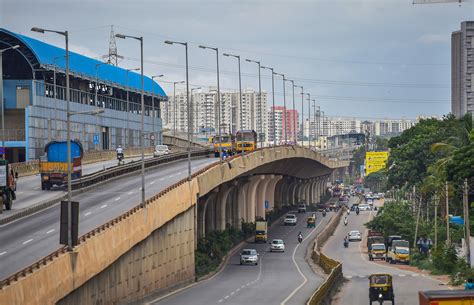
(246, 140)
(226, 143)
(53, 165)
(261, 230)
(374, 237)
(399, 252)
(446, 297)
(7, 185)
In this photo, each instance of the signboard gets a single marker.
(3, 175)
(96, 139)
(2, 150)
(267, 204)
(375, 161)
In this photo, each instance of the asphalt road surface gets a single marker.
(279, 278)
(29, 188)
(357, 267)
(28, 239)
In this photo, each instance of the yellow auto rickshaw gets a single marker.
(311, 221)
(380, 288)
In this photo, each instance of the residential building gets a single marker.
(283, 117)
(462, 70)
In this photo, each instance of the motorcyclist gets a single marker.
(119, 151)
(357, 210)
(346, 242)
(324, 212)
(300, 237)
(345, 220)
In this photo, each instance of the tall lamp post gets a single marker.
(260, 136)
(153, 101)
(68, 139)
(128, 107)
(240, 96)
(218, 99)
(1, 95)
(302, 113)
(188, 104)
(316, 127)
(273, 103)
(294, 109)
(284, 106)
(142, 135)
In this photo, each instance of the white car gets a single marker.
(161, 150)
(354, 235)
(364, 207)
(290, 219)
(249, 256)
(277, 245)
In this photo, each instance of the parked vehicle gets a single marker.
(53, 165)
(399, 252)
(249, 256)
(161, 150)
(290, 219)
(445, 297)
(377, 251)
(7, 185)
(374, 237)
(261, 230)
(277, 245)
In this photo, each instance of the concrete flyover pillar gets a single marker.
(307, 190)
(242, 200)
(224, 191)
(262, 195)
(292, 193)
(299, 191)
(232, 207)
(251, 201)
(270, 191)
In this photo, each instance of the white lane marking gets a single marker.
(19, 193)
(4, 252)
(87, 214)
(27, 241)
(349, 277)
(153, 182)
(37, 188)
(50, 231)
(117, 199)
(242, 287)
(104, 206)
(220, 301)
(161, 179)
(226, 297)
(305, 279)
(361, 276)
(170, 176)
(130, 193)
(237, 290)
(232, 293)
(402, 275)
(180, 173)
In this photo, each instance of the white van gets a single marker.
(161, 150)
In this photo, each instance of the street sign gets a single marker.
(2, 150)
(267, 204)
(96, 139)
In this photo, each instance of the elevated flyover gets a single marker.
(151, 248)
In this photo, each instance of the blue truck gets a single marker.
(53, 165)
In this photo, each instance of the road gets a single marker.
(29, 188)
(28, 239)
(356, 268)
(280, 278)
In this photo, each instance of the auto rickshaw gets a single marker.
(311, 222)
(380, 288)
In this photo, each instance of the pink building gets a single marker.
(288, 117)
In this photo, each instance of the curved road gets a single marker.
(356, 268)
(280, 278)
(28, 239)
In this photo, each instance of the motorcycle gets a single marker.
(324, 213)
(300, 239)
(357, 212)
(120, 158)
(346, 244)
(345, 222)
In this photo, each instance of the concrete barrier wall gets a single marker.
(181, 142)
(100, 249)
(163, 260)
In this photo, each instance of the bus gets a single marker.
(226, 142)
(246, 140)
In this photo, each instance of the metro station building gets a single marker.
(34, 97)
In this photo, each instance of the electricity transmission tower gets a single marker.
(113, 56)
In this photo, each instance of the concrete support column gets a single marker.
(221, 206)
(252, 196)
(270, 191)
(307, 192)
(261, 195)
(209, 219)
(242, 200)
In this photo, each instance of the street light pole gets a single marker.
(284, 106)
(218, 99)
(142, 135)
(294, 121)
(302, 113)
(68, 139)
(309, 119)
(273, 103)
(240, 97)
(1, 96)
(260, 138)
(188, 104)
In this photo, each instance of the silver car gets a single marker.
(277, 245)
(249, 256)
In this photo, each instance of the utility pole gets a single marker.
(436, 222)
(467, 228)
(448, 239)
(417, 218)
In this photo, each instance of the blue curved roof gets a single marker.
(83, 65)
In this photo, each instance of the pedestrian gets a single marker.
(469, 284)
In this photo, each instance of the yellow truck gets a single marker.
(377, 251)
(246, 141)
(399, 252)
(261, 230)
(226, 143)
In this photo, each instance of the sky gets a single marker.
(357, 58)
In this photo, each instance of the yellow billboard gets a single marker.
(375, 161)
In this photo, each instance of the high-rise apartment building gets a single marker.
(462, 70)
(283, 117)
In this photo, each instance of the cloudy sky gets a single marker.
(364, 58)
